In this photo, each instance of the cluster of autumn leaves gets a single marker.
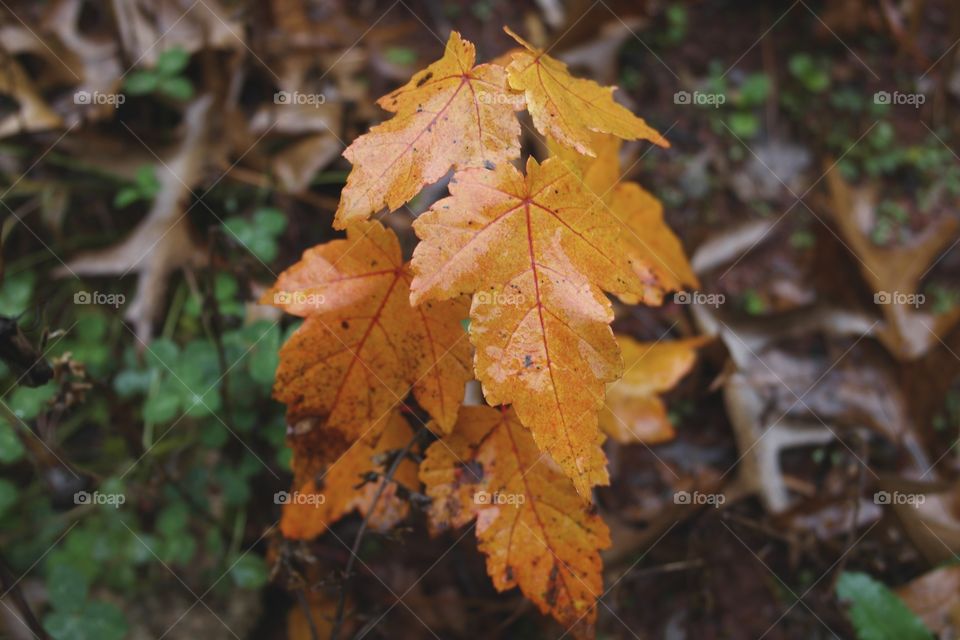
(528, 257)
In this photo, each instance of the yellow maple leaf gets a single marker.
(655, 252)
(568, 109)
(531, 524)
(634, 411)
(362, 346)
(537, 254)
(651, 246)
(321, 498)
(451, 114)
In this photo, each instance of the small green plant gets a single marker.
(876, 613)
(811, 73)
(891, 217)
(260, 234)
(145, 186)
(74, 614)
(165, 78)
(738, 114)
(753, 303)
(803, 239)
(676, 27)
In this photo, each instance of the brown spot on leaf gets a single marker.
(552, 586)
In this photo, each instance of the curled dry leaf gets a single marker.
(634, 412)
(163, 241)
(362, 346)
(538, 253)
(149, 27)
(567, 108)
(894, 273)
(450, 115)
(321, 498)
(531, 524)
(34, 114)
(935, 598)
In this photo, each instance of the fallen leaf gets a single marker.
(362, 346)
(537, 253)
(634, 412)
(163, 241)
(147, 28)
(450, 115)
(935, 598)
(531, 524)
(567, 108)
(933, 524)
(894, 273)
(33, 114)
(297, 164)
(317, 502)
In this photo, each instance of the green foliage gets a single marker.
(260, 234)
(676, 28)
(11, 449)
(753, 303)
(876, 612)
(401, 55)
(144, 187)
(165, 78)
(739, 114)
(70, 573)
(96, 621)
(195, 467)
(249, 572)
(813, 74)
(16, 292)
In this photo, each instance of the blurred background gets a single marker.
(157, 172)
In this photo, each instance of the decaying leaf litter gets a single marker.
(809, 397)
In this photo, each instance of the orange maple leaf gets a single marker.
(568, 109)
(323, 498)
(451, 114)
(537, 253)
(533, 527)
(362, 347)
(634, 411)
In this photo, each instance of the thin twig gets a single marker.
(10, 586)
(305, 606)
(348, 572)
(213, 322)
